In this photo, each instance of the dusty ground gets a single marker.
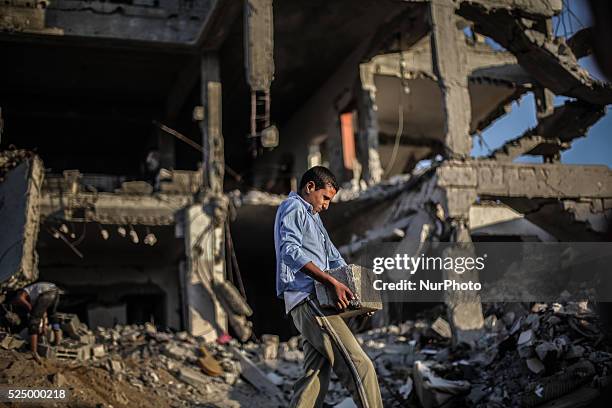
(95, 387)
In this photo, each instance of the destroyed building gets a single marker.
(149, 116)
(145, 146)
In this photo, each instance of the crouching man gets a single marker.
(303, 252)
(37, 299)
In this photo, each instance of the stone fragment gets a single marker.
(442, 327)
(535, 365)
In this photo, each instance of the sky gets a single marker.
(596, 148)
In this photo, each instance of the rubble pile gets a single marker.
(167, 364)
(188, 370)
(549, 353)
(181, 369)
(534, 355)
(528, 356)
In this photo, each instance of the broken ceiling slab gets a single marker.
(493, 219)
(526, 144)
(553, 133)
(550, 61)
(569, 121)
(582, 219)
(581, 43)
(533, 8)
(418, 59)
(203, 23)
(120, 209)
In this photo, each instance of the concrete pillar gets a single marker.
(205, 222)
(212, 137)
(545, 106)
(450, 67)
(202, 247)
(544, 100)
(464, 307)
(449, 64)
(367, 135)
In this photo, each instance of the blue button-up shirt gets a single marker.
(299, 238)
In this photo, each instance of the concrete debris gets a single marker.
(275, 379)
(233, 298)
(523, 359)
(535, 365)
(241, 326)
(526, 338)
(434, 391)
(98, 350)
(406, 389)
(442, 327)
(270, 343)
(191, 377)
(254, 375)
(10, 342)
(46, 351)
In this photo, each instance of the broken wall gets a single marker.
(21, 177)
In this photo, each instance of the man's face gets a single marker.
(319, 199)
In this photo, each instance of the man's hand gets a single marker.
(343, 295)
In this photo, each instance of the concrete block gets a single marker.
(46, 351)
(442, 327)
(526, 338)
(150, 328)
(70, 325)
(98, 350)
(535, 365)
(59, 380)
(359, 281)
(81, 353)
(174, 351)
(192, 377)
(115, 366)
(10, 342)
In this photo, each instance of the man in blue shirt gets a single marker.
(304, 252)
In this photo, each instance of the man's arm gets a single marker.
(291, 236)
(21, 300)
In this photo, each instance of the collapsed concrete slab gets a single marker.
(553, 133)
(549, 60)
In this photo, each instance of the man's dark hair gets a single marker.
(321, 176)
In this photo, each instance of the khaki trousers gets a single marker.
(321, 354)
